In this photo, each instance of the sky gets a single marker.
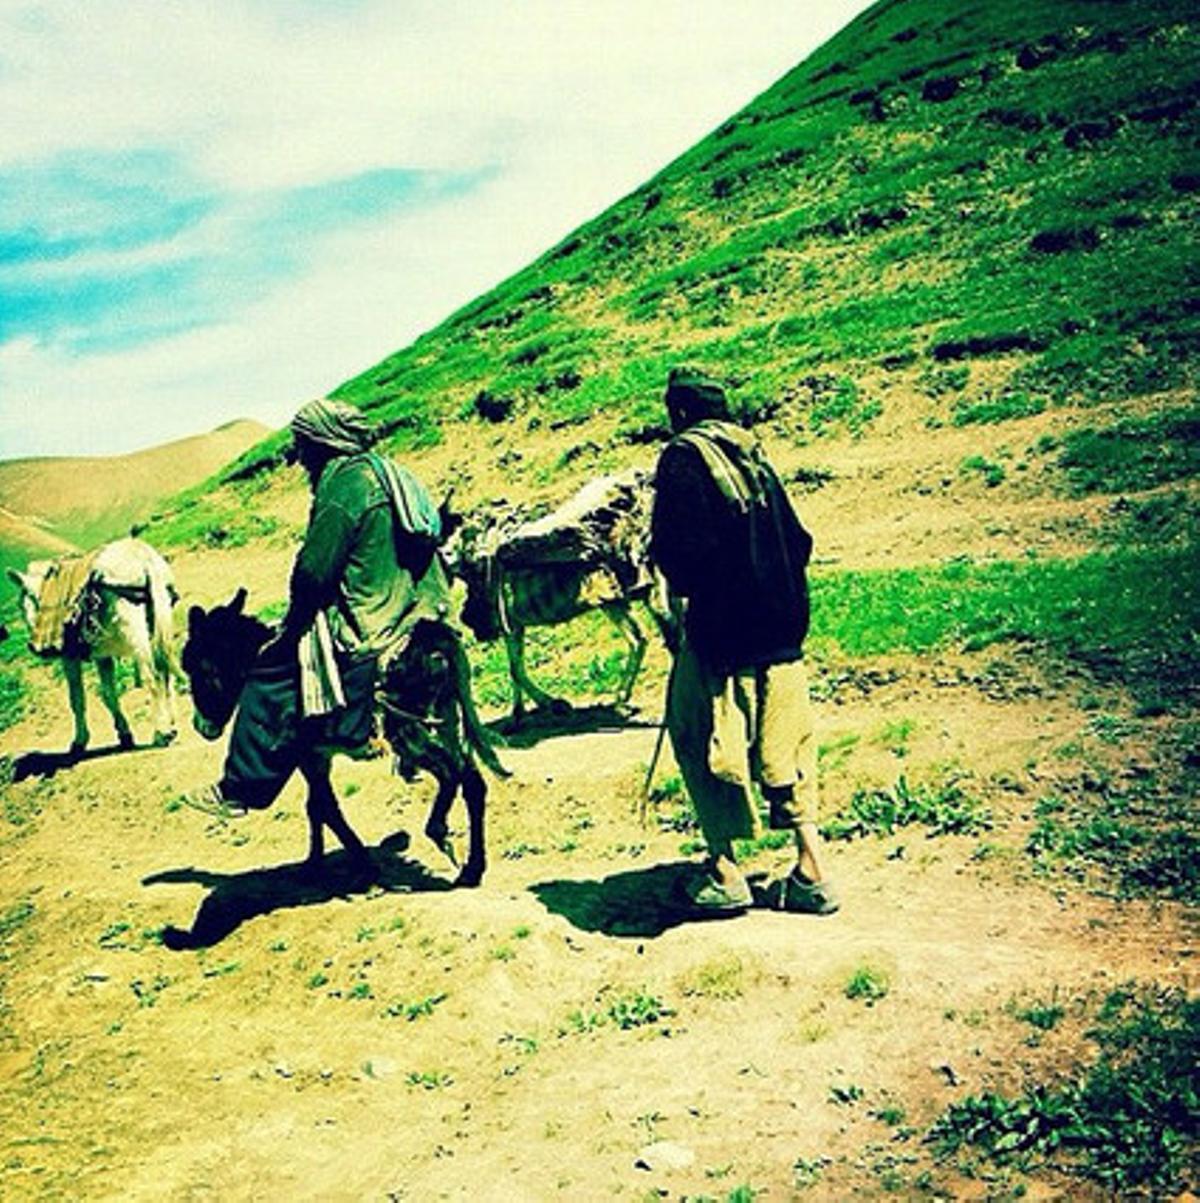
(217, 210)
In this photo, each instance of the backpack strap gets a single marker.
(732, 460)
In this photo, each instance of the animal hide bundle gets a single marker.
(606, 521)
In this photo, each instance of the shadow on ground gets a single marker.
(639, 902)
(234, 898)
(551, 722)
(46, 764)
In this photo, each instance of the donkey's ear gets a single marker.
(239, 600)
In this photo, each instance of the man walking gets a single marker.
(733, 553)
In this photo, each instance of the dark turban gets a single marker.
(335, 425)
(692, 397)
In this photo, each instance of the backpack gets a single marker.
(759, 508)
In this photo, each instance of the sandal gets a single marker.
(709, 894)
(210, 800)
(801, 896)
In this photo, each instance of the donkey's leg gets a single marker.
(514, 644)
(437, 829)
(73, 671)
(152, 670)
(314, 808)
(622, 617)
(106, 669)
(162, 696)
(324, 811)
(474, 791)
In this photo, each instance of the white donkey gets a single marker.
(115, 602)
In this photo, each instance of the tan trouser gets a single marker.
(755, 725)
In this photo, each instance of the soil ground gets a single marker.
(566, 1031)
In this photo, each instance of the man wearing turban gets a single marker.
(727, 540)
(365, 572)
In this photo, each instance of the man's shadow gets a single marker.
(637, 902)
(549, 722)
(46, 764)
(234, 898)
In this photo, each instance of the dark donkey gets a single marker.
(429, 720)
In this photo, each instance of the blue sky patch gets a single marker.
(105, 251)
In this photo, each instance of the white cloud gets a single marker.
(565, 105)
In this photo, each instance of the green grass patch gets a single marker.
(868, 984)
(220, 520)
(413, 1010)
(1144, 839)
(943, 808)
(1132, 455)
(631, 1009)
(14, 696)
(1001, 407)
(1128, 1122)
(1133, 614)
(990, 472)
(14, 917)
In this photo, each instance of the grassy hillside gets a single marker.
(991, 204)
(969, 228)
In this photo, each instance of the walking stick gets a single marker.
(658, 744)
(668, 624)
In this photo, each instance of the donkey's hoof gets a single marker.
(469, 877)
(77, 749)
(125, 740)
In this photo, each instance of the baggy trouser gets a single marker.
(270, 738)
(728, 730)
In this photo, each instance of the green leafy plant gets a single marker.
(1128, 1122)
(417, 1009)
(990, 472)
(945, 808)
(869, 984)
(637, 1009)
(429, 1079)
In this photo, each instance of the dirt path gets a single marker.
(561, 1032)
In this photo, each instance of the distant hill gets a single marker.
(22, 540)
(50, 505)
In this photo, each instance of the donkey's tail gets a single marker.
(161, 586)
(477, 735)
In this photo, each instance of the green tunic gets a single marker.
(348, 564)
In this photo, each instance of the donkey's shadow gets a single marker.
(234, 898)
(550, 722)
(46, 764)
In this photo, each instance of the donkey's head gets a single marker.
(220, 648)
(29, 588)
(469, 555)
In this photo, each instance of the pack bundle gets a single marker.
(606, 521)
